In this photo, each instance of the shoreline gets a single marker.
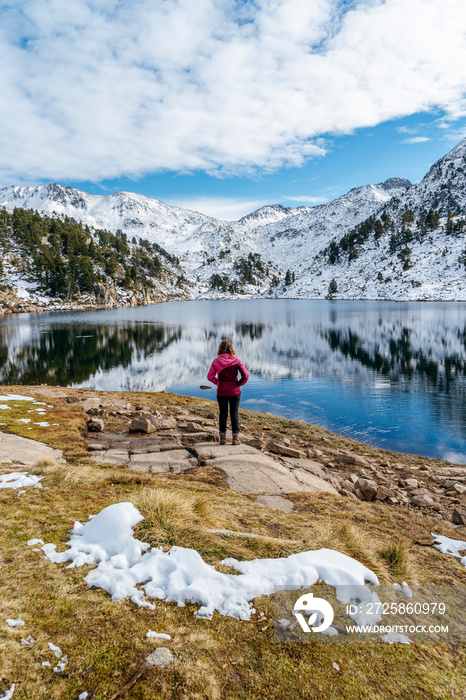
(117, 427)
(26, 308)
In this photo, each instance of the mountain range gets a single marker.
(392, 240)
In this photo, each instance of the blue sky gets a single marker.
(226, 105)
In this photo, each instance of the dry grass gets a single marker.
(222, 658)
(397, 557)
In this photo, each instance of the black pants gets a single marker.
(223, 402)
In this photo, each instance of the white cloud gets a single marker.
(416, 139)
(94, 90)
(304, 199)
(224, 208)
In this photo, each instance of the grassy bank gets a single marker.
(105, 641)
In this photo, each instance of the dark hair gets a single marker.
(226, 346)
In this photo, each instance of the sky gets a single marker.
(226, 105)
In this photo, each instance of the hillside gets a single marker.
(392, 240)
(49, 261)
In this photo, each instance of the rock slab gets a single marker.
(19, 450)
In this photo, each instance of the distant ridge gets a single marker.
(281, 251)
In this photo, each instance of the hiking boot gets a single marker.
(223, 438)
(236, 440)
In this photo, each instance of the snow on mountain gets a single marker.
(291, 237)
(442, 189)
(274, 239)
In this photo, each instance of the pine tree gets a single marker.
(332, 288)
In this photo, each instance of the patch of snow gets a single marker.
(403, 589)
(32, 543)
(15, 397)
(392, 637)
(60, 667)
(17, 480)
(29, 641)
(8, 694)
(157, 635)
(14, 623)
(23, 420)
(56, 650)
(448, 546)
(181, 575)
(4, 407)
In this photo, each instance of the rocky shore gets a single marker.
(269, 464)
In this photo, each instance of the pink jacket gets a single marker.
(224, 373)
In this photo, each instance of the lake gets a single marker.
(389, 374)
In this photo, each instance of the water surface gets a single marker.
(389, 374)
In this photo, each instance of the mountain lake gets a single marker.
(389, 374)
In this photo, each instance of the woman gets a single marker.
(224, 373)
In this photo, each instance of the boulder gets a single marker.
(367, 487)
(90, 403)
(459, 516)
(193, 427)
(282, 449)
(167, 423)
(422, 500)
(348, 458)
(449, 483)
(141, 424)
(95, 425)
(457, 489)
(410, 483)
(383, 493)
(258, 443)
(160, 658)
(94, 411)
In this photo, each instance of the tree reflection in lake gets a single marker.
(385, 373)
(71, 354)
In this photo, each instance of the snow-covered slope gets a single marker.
(442, 189)
(206, 245)
(275, 239)
(292, 237)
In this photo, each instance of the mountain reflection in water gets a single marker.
(392, 375)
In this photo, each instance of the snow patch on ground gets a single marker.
(18, 480)
(127, 567)
(157, 635)
(8, 693)
(448, 546)
(16, 397)
(14, 623)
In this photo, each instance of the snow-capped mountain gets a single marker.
(253, 254)
(442, 189)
